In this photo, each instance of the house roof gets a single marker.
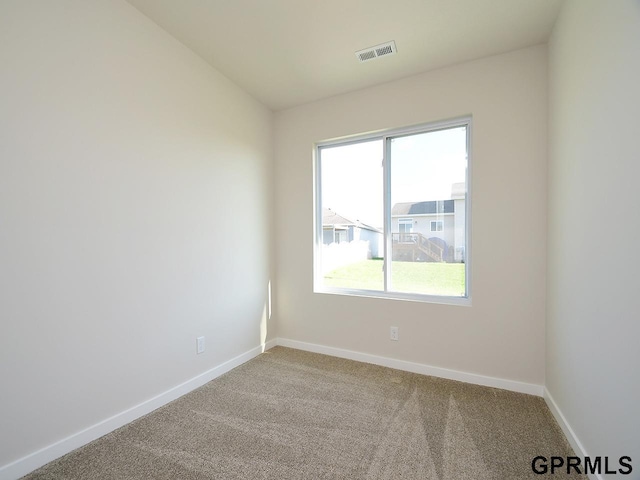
(331, 218)
(422, 208)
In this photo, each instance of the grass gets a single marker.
(411, 277)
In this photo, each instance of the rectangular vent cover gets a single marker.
(381, 50)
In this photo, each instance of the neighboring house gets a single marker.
(430, 230)
(338, 229)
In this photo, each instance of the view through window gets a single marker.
(392, 213)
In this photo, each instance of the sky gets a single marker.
(423, 167)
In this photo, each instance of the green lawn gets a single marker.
(414, 277)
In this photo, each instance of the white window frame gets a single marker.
(386, 136)
(431, 222)
(340, 236)
(406, 221)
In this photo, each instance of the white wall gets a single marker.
(502, 333)
(593, 311)
(134, 216)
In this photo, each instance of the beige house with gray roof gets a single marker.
(431, 230)
(339, 229)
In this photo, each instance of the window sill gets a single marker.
(407, 297)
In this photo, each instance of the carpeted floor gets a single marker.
(289, 414)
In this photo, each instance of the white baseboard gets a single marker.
(568, 431)
(41, 457)
(512, 385)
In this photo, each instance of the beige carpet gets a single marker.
(289, 414)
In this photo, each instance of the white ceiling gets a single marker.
(289, 52)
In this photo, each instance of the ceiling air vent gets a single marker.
(381, 50)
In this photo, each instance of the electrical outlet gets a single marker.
(200, 345)
(393, 333)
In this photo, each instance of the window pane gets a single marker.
(352, 211)
(428, 186)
